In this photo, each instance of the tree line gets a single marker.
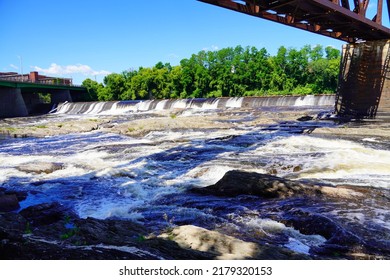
(226, 73)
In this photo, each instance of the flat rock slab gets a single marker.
(224, 247)
(40, 167)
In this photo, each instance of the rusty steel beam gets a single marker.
(378, 17)
(332, 18)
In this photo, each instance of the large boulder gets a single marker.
(45, 214)
(65, 236)
(9, 202)
(236, 182)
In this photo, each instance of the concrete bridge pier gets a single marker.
(60, 95)
(12, 103)
(364, 80)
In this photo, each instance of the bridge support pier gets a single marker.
(60, 95)
(364, 81)
(12, 103)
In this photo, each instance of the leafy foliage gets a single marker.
(227, 72)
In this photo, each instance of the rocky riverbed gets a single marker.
(179, 184)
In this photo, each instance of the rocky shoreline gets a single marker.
(50, 231)
(140, 125)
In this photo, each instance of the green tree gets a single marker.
(114, 87)
(227, 72)
(332, 53)
(92, 89)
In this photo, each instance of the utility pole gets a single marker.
(21, 66)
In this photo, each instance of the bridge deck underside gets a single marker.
(318, 16)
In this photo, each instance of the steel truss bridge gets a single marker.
(340, 19)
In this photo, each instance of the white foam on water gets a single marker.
(10, 160)
(125, 168)
(95, 109)
(116, 109)
(202, 175)
(308, 100)
(330, 159)
(297, 246)
(210, 105)
(172, 136)
(234, 102)
(144, 105)
(161, 105)
(9, 165)
(297, 241)
(119, 108)
(63, 108)
(105, 208)
(180, 104)
(191, 112)
(370, 139)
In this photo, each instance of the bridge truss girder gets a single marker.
(331, 18)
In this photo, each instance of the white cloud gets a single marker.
(173, 56)
(212, 48)
(56, 69)
(14, 66)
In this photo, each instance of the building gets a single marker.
(35, 77)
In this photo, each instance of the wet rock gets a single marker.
(9, 202)
(297, 168)
(64, 236)
(12, 226)
(21, 195)
(45, 214)
(305, 118)
(40, 167)
(236, 183)
(311, 223)
(114, 232)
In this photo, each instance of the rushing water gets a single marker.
(146, 179)
(123, 107)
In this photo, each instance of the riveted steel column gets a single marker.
(364, 81)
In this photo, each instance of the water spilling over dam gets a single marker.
(121, 107)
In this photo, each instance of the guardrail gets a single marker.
(48, 81)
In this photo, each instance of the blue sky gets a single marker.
(91, 38)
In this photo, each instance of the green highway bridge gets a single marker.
(23, 95)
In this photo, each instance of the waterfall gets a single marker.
(125, 107)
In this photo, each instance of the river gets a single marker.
(146, 177)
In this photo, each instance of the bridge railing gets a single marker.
(46, 81)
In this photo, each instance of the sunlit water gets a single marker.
(147, 179)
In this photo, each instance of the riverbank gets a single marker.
(138, 125)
